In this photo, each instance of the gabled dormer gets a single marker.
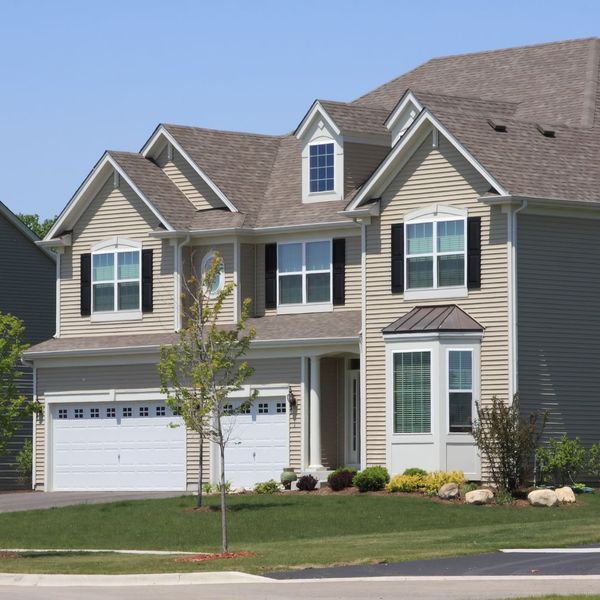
(403, 115)
(341, 144)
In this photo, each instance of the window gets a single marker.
(245, 408)
(127, 412)
(94, 413)
(321, 169)
(161, 411)
(280, 408)
(435, 253)
(63, 413)
(412, 392)
(111, 413)
(219, 280)
(228, 409)
(144, 412)
(460, 390)
(263, 408)
(116, 280)
(304, 272)
(78, 413)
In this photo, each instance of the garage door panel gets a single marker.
(108, 446)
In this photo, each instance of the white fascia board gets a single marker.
(162, 132)
(304, 342)
(74, 204)
(33, 356)
(316, 109)
(409, 98)
(424, 118)
(533, 200)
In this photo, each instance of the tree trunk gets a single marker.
(199, 494)
(223, 511)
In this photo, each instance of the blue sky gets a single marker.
(79, 77)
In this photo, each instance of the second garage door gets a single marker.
(117, 446)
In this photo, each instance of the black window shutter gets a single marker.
(147, 281)
(339, 271)
(85, 285)
(270, 275)
(397, 258)
(474, 253)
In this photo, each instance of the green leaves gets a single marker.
(13, 403)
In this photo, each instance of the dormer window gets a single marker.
(321, 166)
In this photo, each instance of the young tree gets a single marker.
(200, 372)
(13, 404)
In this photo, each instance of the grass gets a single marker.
(286, 531)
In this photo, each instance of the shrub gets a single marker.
(468, 487)
(507, 441)
(414, 471)
(208, 488)
(226, 486)
(562, 460)
(593, 462)
(504, 497)
(405, 483)
(267, 487)
(372, 479)
(432, 482)
(341, 478)
(24, 461)
(306, 483)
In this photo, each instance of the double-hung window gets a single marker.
(412, 392)
(116, 280)
(304, 273)
(435, 253)
(321, 167)
(460, 390)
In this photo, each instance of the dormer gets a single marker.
(401, 118)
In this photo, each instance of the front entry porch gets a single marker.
(331, 428)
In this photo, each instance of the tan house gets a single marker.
(408, 254)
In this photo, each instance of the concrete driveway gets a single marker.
(19, 501)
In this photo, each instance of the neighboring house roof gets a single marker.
(556, 82)
(326, 326)
(429, 319)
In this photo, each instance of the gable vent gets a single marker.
(497, 125)
(545, 130)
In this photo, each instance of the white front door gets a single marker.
(116, 446)
(353, 419)
(257, 449)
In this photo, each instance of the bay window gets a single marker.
(304, 272)
(460, 390)
(412, 392)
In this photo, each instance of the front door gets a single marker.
(353, 419)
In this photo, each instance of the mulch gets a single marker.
(9, 555)
(195, 558)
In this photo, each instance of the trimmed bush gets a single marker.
(562, 460)
(306, 483)
(429, 483)
(372, 479)
(267, 487)
(405, 483)
(414, 471)
(341, 478)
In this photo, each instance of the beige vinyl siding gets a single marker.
(434, 176)
(360, 160)
(197, 254)
(191, 185)
(247, 276)
(559, 323)
(115, 212)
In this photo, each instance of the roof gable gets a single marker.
(11, 218)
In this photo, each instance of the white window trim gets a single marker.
(116, 246)
(474, 377)
(334, 190)
(435, 215)
(304, 306)
(209, 256)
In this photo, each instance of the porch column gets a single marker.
(314, 454)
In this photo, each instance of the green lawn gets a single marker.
(287, 531)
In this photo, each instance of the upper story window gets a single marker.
(435, 252)
(116, 280)
(304, 273)
(219, 280)
(321, 167)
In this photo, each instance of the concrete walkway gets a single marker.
(19, 501)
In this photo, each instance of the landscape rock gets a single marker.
(542, 498)
(566, 495)
(479, 497)
(449, 491)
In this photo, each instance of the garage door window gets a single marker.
(263, 408)
(281, 408)
(63, 413)
(144, 411)
(127, 412)
(79, 413)
(94, 413)
(161, 411)
(111, 413)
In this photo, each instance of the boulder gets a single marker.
(542, 498)
(479, 497)
(566, 495)
(449, 491)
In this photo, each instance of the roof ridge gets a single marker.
(228, 131)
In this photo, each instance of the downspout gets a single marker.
(59, 252)
(34, 432)
(363, 346)
(513, 303)
(177, 283)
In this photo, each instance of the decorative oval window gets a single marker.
(219, 281)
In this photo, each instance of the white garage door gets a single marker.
(117, 446)
(258, 444)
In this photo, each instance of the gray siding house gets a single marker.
(27, 290)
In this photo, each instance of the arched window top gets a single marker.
(117, 243)
(436, 212)
(219, 281)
